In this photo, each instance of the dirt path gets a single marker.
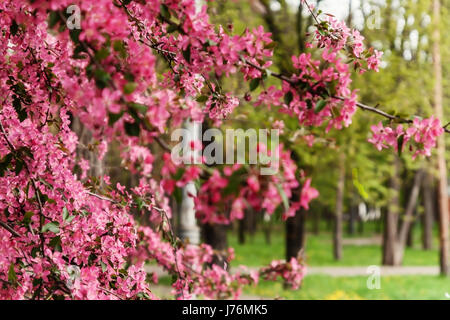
(349, 271)
(385, 271)
(164, 291)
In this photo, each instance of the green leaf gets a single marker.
(142, 108)
(27, 217)
(53, 19)
(114, 117)
(77, 52)
(17, 104)
(55, 243)
(119, 47)
(178, 195)
(320, 105)
(164, 11)
(101, 78)
(187, 53)
(288, 97)
(34, 251)
(65, 213)
(14, 28)
(283, 197)
(171, 28)
(271, 45)
(400, 141)
(132, 129)
(19, 166)
(129, 87)
(51, 226)
(70, 218)
(102, 54)
(104, 266)
(75, 35)
(25, 151)
(254, 84)
(202, 99)
(12, 277)
(5, 163)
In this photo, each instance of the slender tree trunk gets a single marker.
(360, 226)
(428, 216)
(316, 225)
(241, 231)
(351, 220)
(337, 239)
(267, 225)
(394, 245)
(410, 237)
(251, 224)
(442, 179)
(188, 228)
(295, 234)
(216, 236)
(391, 218)
(408, 217)
(96, 166)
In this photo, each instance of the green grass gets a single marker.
(319, 252)
(256, 252)
(320, 287)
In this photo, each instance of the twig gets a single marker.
(11, 230)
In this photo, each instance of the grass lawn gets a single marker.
(354, 288)
(319, 251)
(321, 287)
(256, 252)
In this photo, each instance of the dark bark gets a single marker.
(352, 219)
(96, 166)
(391, 217)
(267, 227)
(444, 241)
(295, 234)
(395, 243)
(241, 230)
(428, 215)
(216, 237)
(337, 237)
(316, 222)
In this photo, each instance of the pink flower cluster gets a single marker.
(420, 136)
(64, 236)
(291, 272)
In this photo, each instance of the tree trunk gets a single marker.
(391, 218)
(96, 166)
(295, 234)
(352, 218)
(216, 236)
(442, 179)
(267, 225)
(241, 231)
(428, 216)
(188, 228)
(395, 249)
(316, 225)
(409, 215)
(337, 239)
(410, 237)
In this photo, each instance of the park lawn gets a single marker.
(322, 287)
(319, 252)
